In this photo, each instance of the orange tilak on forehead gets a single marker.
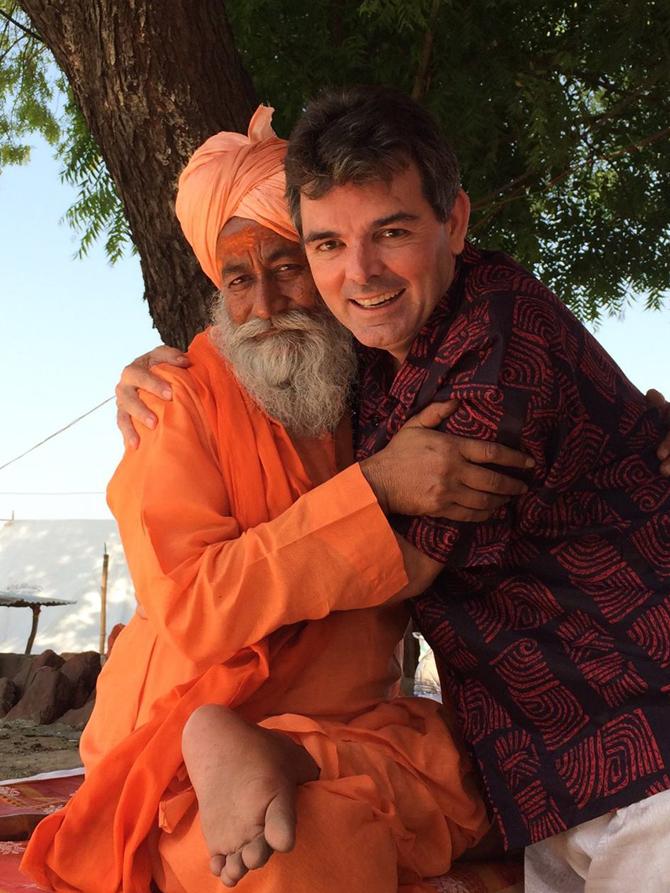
(243, 240)
(239, 242)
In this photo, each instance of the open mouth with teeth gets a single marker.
(377, 301)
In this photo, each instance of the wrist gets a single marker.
(373, 473)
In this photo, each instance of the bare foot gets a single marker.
(245, 779)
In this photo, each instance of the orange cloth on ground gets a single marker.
(232, 175)
(391, 807)
(227, 543)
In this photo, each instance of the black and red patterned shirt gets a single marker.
(551, 621)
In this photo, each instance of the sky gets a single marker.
(69, 326)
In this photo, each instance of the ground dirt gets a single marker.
(26, 748)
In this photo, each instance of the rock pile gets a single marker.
(48, 687)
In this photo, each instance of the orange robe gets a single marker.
(247, 574)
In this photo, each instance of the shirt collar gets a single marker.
(410, 375)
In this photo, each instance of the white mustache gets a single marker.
(290, 321)
(300, 375)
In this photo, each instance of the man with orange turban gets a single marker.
(246, 708)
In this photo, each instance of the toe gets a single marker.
(280, 821)
(234, 870)
(256, 853)
(217, 863)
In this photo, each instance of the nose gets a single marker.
(363, 263)
(268, 299)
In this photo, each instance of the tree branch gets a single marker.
(635, 147)
(623, 101)
(421, 80)
(624, 150)
(594, 121)
(488, 198)
(9, 49)
(27, 31)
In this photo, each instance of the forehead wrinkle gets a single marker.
(398, 217)
(237, 243)
(237, 246)
(232, 252)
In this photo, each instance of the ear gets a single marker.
(457, 224)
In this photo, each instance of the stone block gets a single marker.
(79, 717)
(112, 637)
(24, 677)
(82, 671)
(9, 695)
(11, 664)
(48, 696)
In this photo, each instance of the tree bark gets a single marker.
(153, 78)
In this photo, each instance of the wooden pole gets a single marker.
(103, 600)
(33, 629)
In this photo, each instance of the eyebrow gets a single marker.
(238, 267)
(233, 267)
(398, 217)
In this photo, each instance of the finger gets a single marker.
(665, 468)
(432, 415)
(256, 853)
(134, 377)
(461, 513)
(663, 451)
(234, 870)
(655, 398)
(475, 499)
(128, 401)
(125, 424)
(488, 481)
(170, 355)
(492, 453)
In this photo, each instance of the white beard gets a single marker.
(300, 375)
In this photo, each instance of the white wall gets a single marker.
(65, 559)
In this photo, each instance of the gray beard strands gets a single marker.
(300, 375)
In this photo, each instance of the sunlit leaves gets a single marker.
(34, 100)
(559, 112)
(26, 90)
(98, 211)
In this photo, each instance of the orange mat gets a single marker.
(23, 801)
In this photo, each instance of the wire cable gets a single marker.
(52, 493)
(55, 433)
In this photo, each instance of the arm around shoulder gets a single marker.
(211, 587)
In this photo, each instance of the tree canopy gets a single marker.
(559, 113)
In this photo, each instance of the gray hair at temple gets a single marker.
(366, 134)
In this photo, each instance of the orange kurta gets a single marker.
(231, 553)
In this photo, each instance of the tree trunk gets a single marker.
(153, 78)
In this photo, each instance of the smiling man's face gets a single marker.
(380, 257)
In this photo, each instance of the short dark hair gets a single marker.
(365, 134)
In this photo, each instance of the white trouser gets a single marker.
(625, 851)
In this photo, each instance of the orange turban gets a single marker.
(232, 175)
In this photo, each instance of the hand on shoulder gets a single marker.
(130, 409)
